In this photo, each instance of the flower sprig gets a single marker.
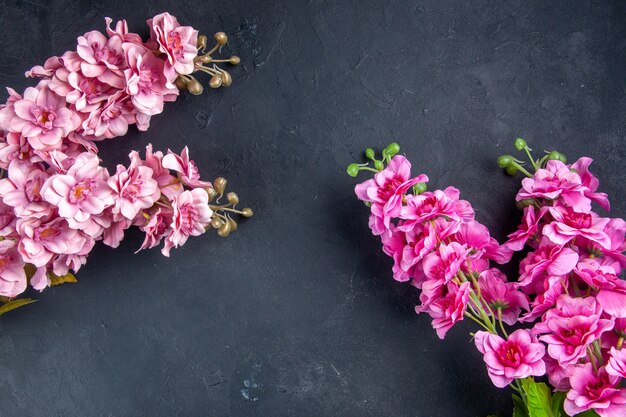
(569, 290)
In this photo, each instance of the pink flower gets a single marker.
(444, 264)
(43, 118)
(16, 147)
(617, 363)
(156, 227)
(569, 328)
(447, 309)
(12, 275)
(42, 240)
(191, 215)
(88, 93)
(22, 190)
(590, 182)
(568, 224)
(134, 189)
(547, 260)
(595, 390)
(519, 356)
(558, 376)
(500, 294)
(394, 241)
(476, 236)
(611, 289)
(81, 192)
(146, 83)
(169, 184)
(386, 190)
(431, 205)
(528, 228)
(121, 30)
(548, 290)
(112, 119)
(555, 181)
(178, 43)
(102, 58)
(185, 167)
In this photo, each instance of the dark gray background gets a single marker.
(297, 313)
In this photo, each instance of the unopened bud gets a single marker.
(181, 83)
(202, 40)
(224, 230)
(233, 225)
(216, 81)
(216, 223)
(195, 87)
(234, 60)
(221, 38)
(227, 80)
(232, 198)
(220, 185)
(247, 212)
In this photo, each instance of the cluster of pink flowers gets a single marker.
(50, 218)
(569, 287)
(109, 82)
(56, 200)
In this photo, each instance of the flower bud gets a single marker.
(224, 230)
(353, 170)
(220, 185)
(392, 149)
(234, 60)
(221, 38)
(216, 223)
(195, 87)
(369, 154)
(227, 80)
(420, 188)
(525, 202)
(212, 193)
(181, 83)
(233, 225)
(205, 59)
(557, 156)
(520, 144)
(247, 212)
(511, 170)
(232, 198)
(202, 40)
(379, 165)
(505, 161)
(216, 81)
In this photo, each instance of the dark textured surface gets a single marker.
(297, 314)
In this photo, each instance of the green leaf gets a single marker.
(588, 413)
(538, 397)
(13, 304)
(58, 280)
(557, 404)
(519, 408)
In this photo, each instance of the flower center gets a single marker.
(81, 191)
(510, 354)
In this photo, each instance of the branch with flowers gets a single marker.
(564, 317)
(57, 200)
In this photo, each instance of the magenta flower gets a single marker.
(42, 240)
(528, 228)
(502, 295)
(386, 190)
(569, 328)
(519, 356)
(12, 275)
(43, 118)
(617, 363)
(444, 264)
(102, 58)
(145, 82)
(185, 167)
(82, 191)
(611, 289)
(447, 309)
(595, 390)
(394, 242)
(547, 260)
(555, 181)
(178, 43)
(476, 236)
(134, 189)
(590, 182)
(22, 190)
(548, 290)
(569, 224)
(190, 217)
(431, 205)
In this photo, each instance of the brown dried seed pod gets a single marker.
(202, 40)
(224, 230)
(233, 225)
(220, 185)
(232, 198)
(181, 83)
(234, 60)
(216, 223)
(216, 81)
(247, 212)
(212, 193)
(227, 80)
(195, 87)
(221, 38)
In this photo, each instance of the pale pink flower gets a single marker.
(40, 280)
(569, 328)
(12, 275)
(438, 203)
(169, 184)
(617, 363)
(145, 82)
(569, 224)
(519, 356)
(114, 233)
(386, 190)
(156, 227)
(134, 189)
(178, 43)
(42, 240)
(121, 30)
(102, 58)
(445, 263)
(16, 147)
(22, 190)
(185, 167)
(43, 118)
(190, 217)
(595, 390)
(88, 94)
(82, 191)
(63, 264)
(590, 182)
(111, 119)
(556, 181)
(500, 294)
(528, 228)
(447, 309)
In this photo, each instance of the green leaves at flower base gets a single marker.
(540, 402)
(13, 304)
